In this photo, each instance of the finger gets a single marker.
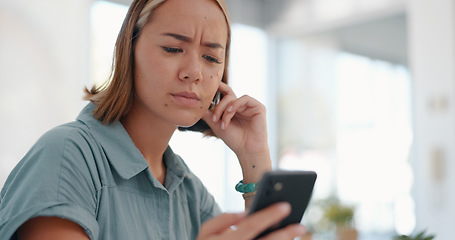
(230, 112)
(288, 232)
(221, 223)
(228, 96)
(244, 106)
(220, 108)
(214, 126)
(260, 221)
(225, 89)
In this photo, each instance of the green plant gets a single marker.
(419, 236)
(340, 215)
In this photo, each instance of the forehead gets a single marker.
(189, 17)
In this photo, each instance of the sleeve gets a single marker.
(209, 207)
(55, 178)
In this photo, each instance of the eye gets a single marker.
(172, 50)
(211, 59)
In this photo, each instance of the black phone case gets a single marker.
(295, 187)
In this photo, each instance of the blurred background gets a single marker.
(360, 91)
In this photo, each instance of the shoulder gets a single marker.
(70, 138)
(69, 149)
(61, 148)
(73, 131)
(63, 152)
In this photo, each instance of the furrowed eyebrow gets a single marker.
(213, 45)
(178, 37)
(187, 39)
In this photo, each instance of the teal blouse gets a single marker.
(94, 175)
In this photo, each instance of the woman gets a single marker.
(111, 173)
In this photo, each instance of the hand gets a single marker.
(240, 123)
(246, 228)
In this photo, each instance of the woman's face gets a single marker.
(179, 61)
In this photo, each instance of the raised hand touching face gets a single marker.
(239, 122)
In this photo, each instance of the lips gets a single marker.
(186, 95)
(186, 98)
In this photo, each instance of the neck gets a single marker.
(151, 138)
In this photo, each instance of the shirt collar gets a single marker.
(176, 172)
(174, 163)
(121, 152)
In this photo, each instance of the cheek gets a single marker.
(151, 73)
(150, 62)
(214, 80)
(215, 75)
(147, 84)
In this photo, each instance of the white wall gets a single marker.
(432, 61)
(44, 46)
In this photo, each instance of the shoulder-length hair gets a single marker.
(113, 99)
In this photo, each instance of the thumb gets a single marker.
(221, 223)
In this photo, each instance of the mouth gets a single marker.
(188, 95)
(186, 98)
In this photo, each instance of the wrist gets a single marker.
(254, 166)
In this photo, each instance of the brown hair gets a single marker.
(113, 99)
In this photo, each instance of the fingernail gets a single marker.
(300, 230)
(242, 214)
(214, 118)
(222, 126)
(229, 109)
(284, 206)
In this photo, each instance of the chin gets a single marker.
(200, 126)
(185, 124)
(187, 118)
(190, 121)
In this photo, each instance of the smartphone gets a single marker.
(216, 100)
(294, 187)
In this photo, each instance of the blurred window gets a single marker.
(106, 20)
(348, 117)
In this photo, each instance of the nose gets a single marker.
(190, 68)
